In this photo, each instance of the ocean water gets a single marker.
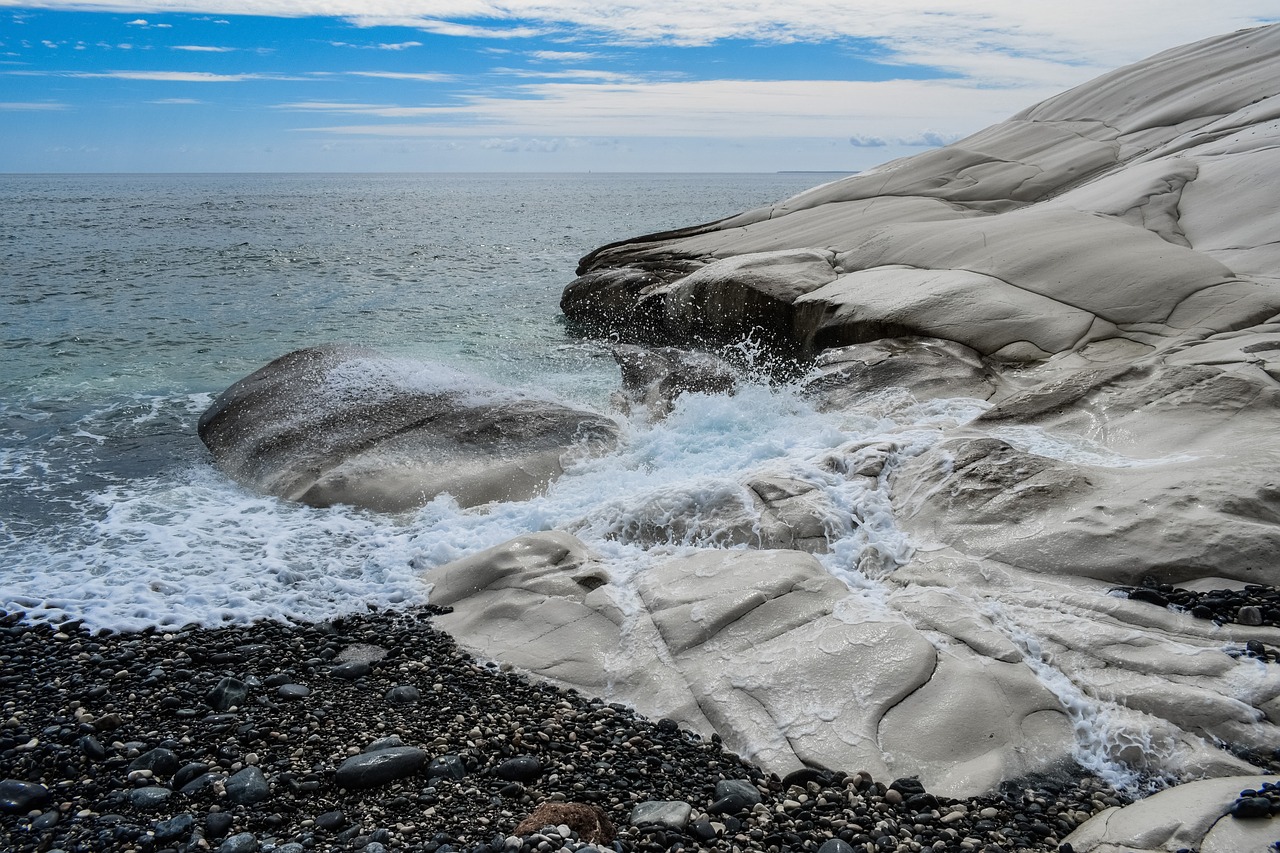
(127, 302)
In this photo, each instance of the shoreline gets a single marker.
(90, 718)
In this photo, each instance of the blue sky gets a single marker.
(547, 85)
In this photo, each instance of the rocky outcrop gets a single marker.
(1204, 816)
(341, 424)
(1132, 209)
(1099, 277)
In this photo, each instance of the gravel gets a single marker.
(189, 741)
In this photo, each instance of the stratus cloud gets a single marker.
(924, 139)
(31, 106)
(420, 76)
(404, 45)
(896, 110)
(159, 76)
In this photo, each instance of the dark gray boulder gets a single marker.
(339, 424)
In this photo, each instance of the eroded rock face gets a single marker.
(1101, 273)
(1132, 208)
(339, 424)
(766, 648)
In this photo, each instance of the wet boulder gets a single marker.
(346, 425)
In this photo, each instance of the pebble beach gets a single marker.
(376, 732)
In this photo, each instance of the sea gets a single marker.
(129, 302)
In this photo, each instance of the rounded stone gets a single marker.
(17, 797)
(371, 769)
(524, 768)
(247, 787)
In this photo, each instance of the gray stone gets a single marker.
(149, 798)
(160, 761)
(18, 797)
(403, 694)
(247, 787)
(227, 693)
(371, 769)
(669, 813)
(244, 842)
(341, 424)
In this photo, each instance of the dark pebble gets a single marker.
(175, 827)
(446, 767)
(248, 787)
(227, 693)
(403, 694)
(524, 769)
(149, 798)
(18, 797)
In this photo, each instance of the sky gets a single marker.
(548, 85)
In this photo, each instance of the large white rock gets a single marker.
(1103, 271)
(1189, 817)
(770, 651)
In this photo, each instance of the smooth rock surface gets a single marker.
(340, 424)
(1191, 817)
(1102, 271)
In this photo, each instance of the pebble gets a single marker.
(371, 769)
(17, 797)
(670, 813)
(247, 787)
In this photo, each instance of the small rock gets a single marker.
(247, 787)
(371, 769)
(174, 827)
(229, 692)
(160, 761)
(1251, 807)
(149, 798)
(351, 670)
(388, 742)
(834, 845)
(293, 691)
(669, 813)
(524, 768)
(403, 694)
(330, 821)
(446, 767)
(18, 797)
(734, 795)
(244, 842)
(1249, 615)
(216, 824)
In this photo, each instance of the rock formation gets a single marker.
(1101, 273)
(341, 424)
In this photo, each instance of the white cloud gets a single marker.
(422, 77)
(404, 45)
(567, 74)
(202, 48)
(923, 139)
(897, 109)
(159, 76)
(31, 106)
(140, 22)
(563, 55)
